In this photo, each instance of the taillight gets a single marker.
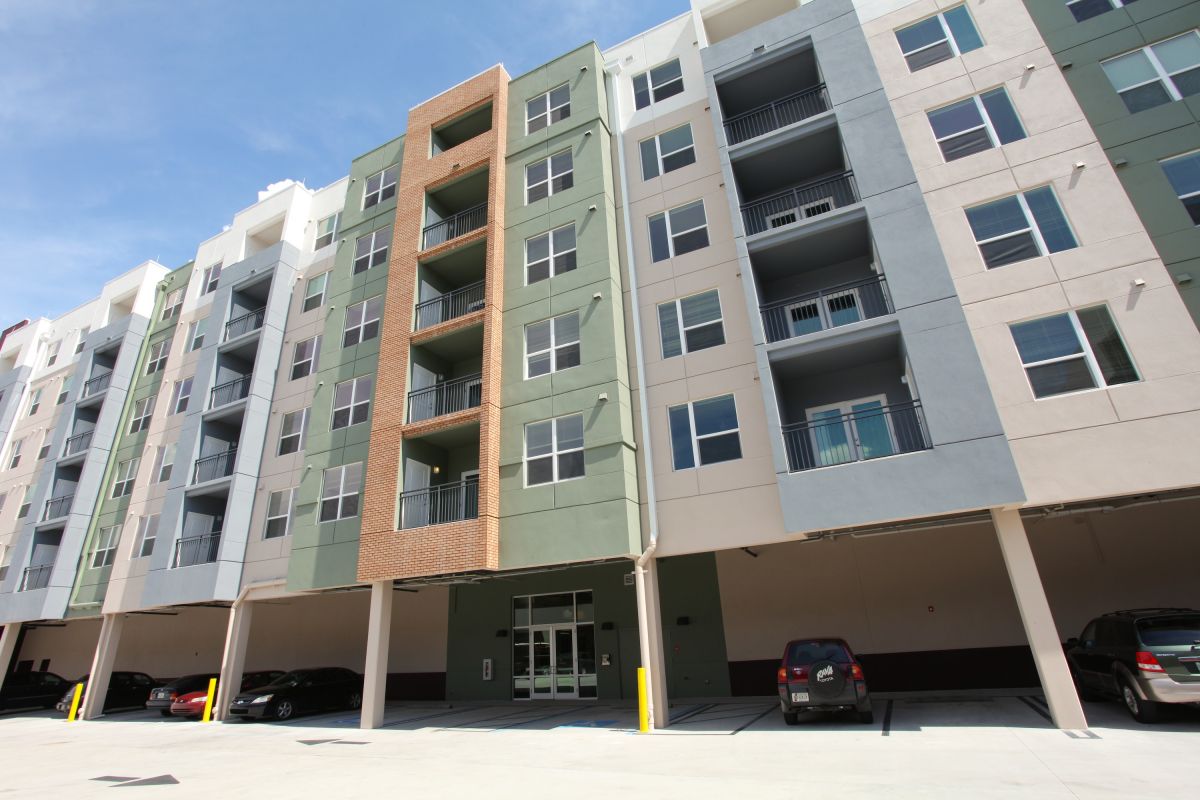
(781, 675)
(856, 672)
(1147, 662)
(800, 673)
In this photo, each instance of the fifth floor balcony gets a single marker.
(455, 209)
(776, 94)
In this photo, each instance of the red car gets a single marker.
(192, 703)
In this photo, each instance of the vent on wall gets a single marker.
(629, 579)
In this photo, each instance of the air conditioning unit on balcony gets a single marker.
(817, 207)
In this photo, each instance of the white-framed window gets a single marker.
(3, 500)
(26, 501)
(1073, 352)
(1157, 74)
(704, 432)
(35, 401)
(550, 253)
(304, 357)
(172, 305)
(195, 334)
(82, 343)
(380, 186)
(52, 352)
(164, 463)
(552, 345)
(62, 398)
(554, 450)
(938, 38)
(291, 432)
(340, 488)
(14, 453)
(126, 475)
(212, 276)
(1086, 9)
(279, 514)
(44, 450)
(976, 124)
(105, 548)
(371, 250)
(668, 151)
(657, 84)
(314, 292)
(362, 321)
(143, 410)
(680, 230)
(548, 108)
(147, 534)
(549, 176)
(691, 323)
(181, 394)
(1184, 174)
(157, 359)
(1020, 226)
(352, 402)
(327, 230)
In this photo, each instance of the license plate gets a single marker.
(799, 697)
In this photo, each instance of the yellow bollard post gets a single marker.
(643, 702)
(208, 704)
(75, 702)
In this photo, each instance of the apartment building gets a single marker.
(778, 319)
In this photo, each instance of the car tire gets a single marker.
(355, 701)
(1141, 710)
(791, 717)
(285, 710)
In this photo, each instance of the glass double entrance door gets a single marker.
(554, 662)
(554, 647)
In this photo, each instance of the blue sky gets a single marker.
(134, 129)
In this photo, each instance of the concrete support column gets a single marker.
(8, 646)
(233, 661)
(102, 664)
(658, 656)
(1039, 623)
(379, 634)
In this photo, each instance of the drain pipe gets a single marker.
(611, 70)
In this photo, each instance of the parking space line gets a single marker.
(697, 710)
(770, 708)
(537, 719)
(475, 722)
(419, 719)
(1036, 708)
(887, 718)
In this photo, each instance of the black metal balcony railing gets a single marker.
(437, 505)
(777, 114)
(97, 384)
(57, 507)
(193, 550)
(799, 203)
(77, 443)
(445, 398)
(229, 392)
(36, 577)
(461, 223)
(449, 306)
(240, 326)
(869, 431)
(827, 308)
(216, 466)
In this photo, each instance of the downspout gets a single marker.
(611, 70)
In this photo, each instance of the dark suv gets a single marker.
(822, 675)
(1148, 657)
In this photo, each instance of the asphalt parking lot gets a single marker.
(932, 746)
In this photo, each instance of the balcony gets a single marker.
(79, 443)
(869, 430)
(451, 305)
(437, 505)
(57, 507)
(447, 397)
(777, 114)
(36, 578)
(96, 385)
(246, 323)
(210, 468)
(452, 227)
(825, 309)
(229, 392)
(193, 550)
(799, 203)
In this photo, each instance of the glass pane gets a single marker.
(1052, 224)
(843, 308)
(996, 218)
(1183, 173)
(1009, 250)
(691, 241)
(924, 33)
(715, 414)
(649, 160)
(560, 96)
(520, 617)
(705, 336)
(560, 163)
(1129, 70)
(564, 238)
(1187, 83)
(871, 425)
(537, 249)
(539, 365)
(549, 609)
(570, 432)
(567, 356)
(927, 58)
(534, 107)
(1060, 377)
(681, 438)
(584, 612)
(1101, 333)
(537, 173)
(831, 440)
(700, 308)
(541, 662)
(665, 73)
(1086, 9)
(537, 336)
(960, 24)
(539, 471)
(585, 644)
(1180, 53)
(967, 144)
(564, 653)
(676, 139)
(668, 327)
(570, 465)
(1144, 97)
(955, 118)
(539, 438)
(641, 91)
(660, 248)
(804, 318)
(1003, 116)
(725, 447)
(687, 217)
(679, 159)
(566, 328)
(1046, 338)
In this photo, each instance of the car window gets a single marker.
(1181, 631)
(140, 679)
(1088, 637)
(1108, 633)
(809, 652)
